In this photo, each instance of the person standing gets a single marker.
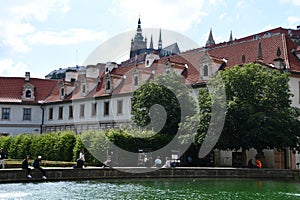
(81, 155)
(36, 165)
(25, 165)
(2, 157)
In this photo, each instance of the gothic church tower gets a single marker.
(138, 43)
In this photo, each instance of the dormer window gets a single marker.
(136, 81)
(28, 93)
(205, 71)
(62, 92)
(255, 37)
(108, 85)
(83, 88)
(267, 34)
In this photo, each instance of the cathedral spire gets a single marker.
(210, 40)
(139, 27)
(159, 40)
(138, 43)
(151, 43)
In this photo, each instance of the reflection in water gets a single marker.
(154, 189)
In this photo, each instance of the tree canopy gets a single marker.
(259, 112)
(162, 104)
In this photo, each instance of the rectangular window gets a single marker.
(119, 107)
(50, 113)
(70, 112)
(27, 114)
(60, 112)
(5, 113)
(94, 109)
(106, 108)
(81, 111)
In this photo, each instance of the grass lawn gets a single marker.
(16, 163)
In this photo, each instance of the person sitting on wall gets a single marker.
(258, 164)
(250, 164)
(167, 163)
(36, 165)
(79, 163)
(157, 162)
(25, 166)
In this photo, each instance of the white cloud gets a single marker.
(174, 15)
(9, 68)
(294, 2)
(241, 4)
(39, 10)
(17, 44)
(222, 16)
(16, 17)
(72, 36)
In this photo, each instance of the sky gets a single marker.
(40, 36)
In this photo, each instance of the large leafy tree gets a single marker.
(162, 104)
(259, 112)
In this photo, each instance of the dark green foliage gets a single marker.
(5, 143)
(52, 146)
(170, 93)
(259, 112)
(133, 140)
(66, 146)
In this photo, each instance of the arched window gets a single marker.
(136, 81)
(62, 92)
(108, 85)
(83, 88)
(205, 70)
(28, 94)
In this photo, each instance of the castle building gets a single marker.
(99, 96)
(139, 45)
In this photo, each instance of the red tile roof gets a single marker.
(233, 53)
(225, 54)
(12, 87)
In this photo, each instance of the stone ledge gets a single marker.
(65, 174)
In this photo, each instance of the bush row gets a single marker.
(66, 146)
(52, 146)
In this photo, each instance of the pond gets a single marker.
(172, 189)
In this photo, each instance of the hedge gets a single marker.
(66, 146)
(51, 146)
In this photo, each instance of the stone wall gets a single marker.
(66, 174)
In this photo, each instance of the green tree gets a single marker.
(162, 104)
(259, 112)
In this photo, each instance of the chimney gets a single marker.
(298, 27)
(27, 76)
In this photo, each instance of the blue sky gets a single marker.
(42, 35)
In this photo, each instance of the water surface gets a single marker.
(172, 189)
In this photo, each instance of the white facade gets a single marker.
(91, 113)
(294, 84)
(16, 123)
